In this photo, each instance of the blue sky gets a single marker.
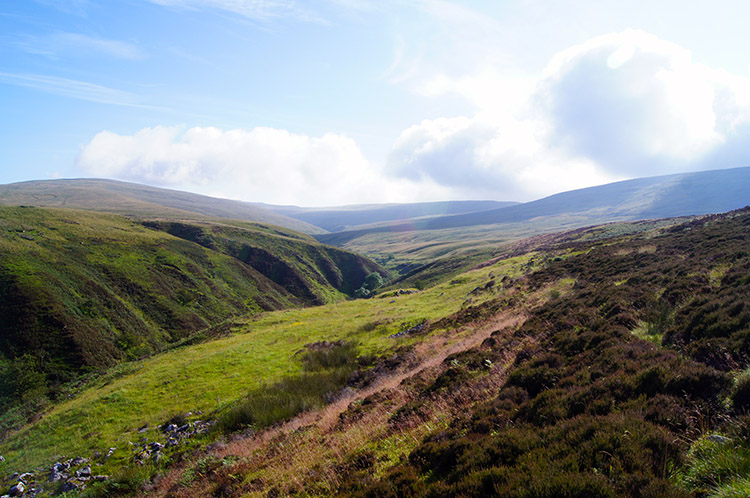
(348, 101)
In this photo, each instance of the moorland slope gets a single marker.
(608, 361)
(81, 290)
(131, 199)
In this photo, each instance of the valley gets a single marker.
(184, 356)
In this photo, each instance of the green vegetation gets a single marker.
(325, 369)
(131, 199)
(525, 376)
(254, 354)
(81, 291)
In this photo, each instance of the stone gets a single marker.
(84, 473)
(717, 438)
(72, 485)
(17, 490)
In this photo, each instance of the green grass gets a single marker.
(211, 376)
(82, 290)
(716, 467)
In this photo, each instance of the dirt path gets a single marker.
(430, 354)
(433, 353)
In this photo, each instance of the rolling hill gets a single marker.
(133, 199)
(80, 291)
(643, 198)
(610, 361)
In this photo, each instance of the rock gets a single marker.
(110, 452)
(156, 447)
(100, 478)
(26, 477)
(78, 461)
(17, 490)
(84, 473)
(72, 485)
(2, 458)
(717, 438)
(56, 475)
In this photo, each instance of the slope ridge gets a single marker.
(81, 290)
(139, 200)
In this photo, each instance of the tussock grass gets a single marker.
(716, 467)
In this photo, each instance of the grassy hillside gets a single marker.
(607, 361)
(132, 199)
(81, 290)
(403, 247)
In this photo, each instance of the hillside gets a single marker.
(133, 199)
(409, 248)
(358, 216)
(667, 196)
(607, 361)
(81, 291)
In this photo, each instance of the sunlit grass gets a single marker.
(210, 376)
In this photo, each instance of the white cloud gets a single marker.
(262, 164)
(619, 106)
(488, 157)
(637, 104)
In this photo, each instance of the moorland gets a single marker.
(166, 344)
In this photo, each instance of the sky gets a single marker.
(332, 102)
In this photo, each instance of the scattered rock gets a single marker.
(84, 473)
(17, 489)
(411, 330)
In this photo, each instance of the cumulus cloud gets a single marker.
(262, 164)
(637, 104)
(618, 106)
(490, 158)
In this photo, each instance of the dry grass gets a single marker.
(315, 451)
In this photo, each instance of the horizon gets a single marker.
(350, 102)
(380, 204)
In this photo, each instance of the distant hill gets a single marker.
(81, 290)
(336, 219)
(140, 200)
(683, 194)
